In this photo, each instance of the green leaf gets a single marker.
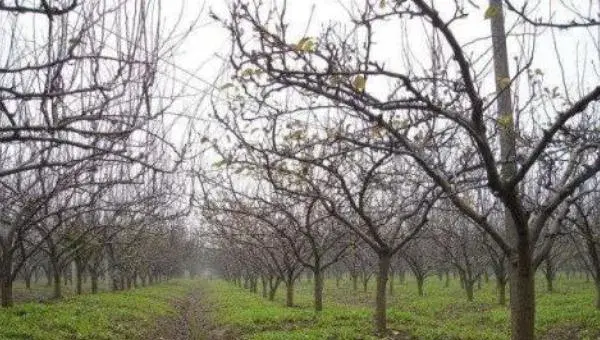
(491, 12)
(220, 164)
(506, 120)
(247, 72)
(359, 83)
(306, 44)
(504, 82)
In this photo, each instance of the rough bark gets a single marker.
(522, 289)
(522, 296)
(380, 298)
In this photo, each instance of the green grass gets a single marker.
(443, 313)
(103, 316)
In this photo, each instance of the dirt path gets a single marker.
(192, 322)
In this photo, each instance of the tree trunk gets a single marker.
(318, 290)
(549, 283)
(469, 284)
(27, 274)
(598, 294)
(420, 283)
(391, 285)
(273, 288)
(57, 285)
(94, 280)
(522, 288)
(6, 288)
(79, 267)
(522, 297)
(447, 283)
(48, 276)
(289, 292)
(254, 284)
(501, 287)
(354, 282)
(380, 297)
(263, 280)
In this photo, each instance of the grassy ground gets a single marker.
(443, 313)
(103, 316)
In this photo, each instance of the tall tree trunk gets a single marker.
(354, 281)
(380, 297)
(318, 288)
(522, 288)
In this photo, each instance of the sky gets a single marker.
(200, 58)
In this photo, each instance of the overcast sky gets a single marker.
(198, 64)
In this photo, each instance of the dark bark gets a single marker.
(420, 284)
(57, 293)
(501, 289)
(380, 297)
(273, 285)
(263, 280)
(79, 267)
(598, 294)
(469, 285)
(6, 285)
(318, 289)
(94, 280)
(522, 295)
(289, 290)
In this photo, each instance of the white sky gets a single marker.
(197, 57)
